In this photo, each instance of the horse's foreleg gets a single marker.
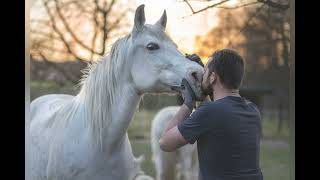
(166, 163)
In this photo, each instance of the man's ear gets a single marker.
(213, 77)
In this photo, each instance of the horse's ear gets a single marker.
(139, 18)
(162, 22)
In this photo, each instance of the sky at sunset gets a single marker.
(181, 25)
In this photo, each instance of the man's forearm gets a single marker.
(181, 115)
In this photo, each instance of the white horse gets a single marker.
(85, 136)
(181, 164)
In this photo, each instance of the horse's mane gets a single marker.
(100, 86)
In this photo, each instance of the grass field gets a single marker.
(274, 146)
(274, 159)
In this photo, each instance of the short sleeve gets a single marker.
(197, 124)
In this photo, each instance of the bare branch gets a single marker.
(78, 4)
(59, 26)
(100, 9)
(116, 22)
(55, 28)
(68, 28)
(103, 26)
(110, 6)
(198, 0)
(275, 5)
(269, 3)
(97, 10)
(49, 35)
(189, 6)
(250, 19)
(105, 29)
(239, 6)
(96, 27)
(40, 21)
(208, 7)
(247, 23)
(105, 33)
(52, 49)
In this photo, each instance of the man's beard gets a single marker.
(207, 88)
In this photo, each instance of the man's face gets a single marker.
(206, 84)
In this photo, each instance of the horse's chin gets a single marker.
(176, 89)
(196, 87)
(163, 89)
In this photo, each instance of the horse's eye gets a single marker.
(152, 46)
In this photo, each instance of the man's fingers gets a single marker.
(188, 88)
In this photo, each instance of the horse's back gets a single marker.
(47, 101)
(161, 118)
(43, 107)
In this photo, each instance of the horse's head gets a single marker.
(157, 65)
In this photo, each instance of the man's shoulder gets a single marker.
(225, 106)
(211, 106)
(253, 105)
(247, 101)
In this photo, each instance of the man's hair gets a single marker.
(229, 66)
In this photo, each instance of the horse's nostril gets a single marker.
(194, 75)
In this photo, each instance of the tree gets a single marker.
(221, 36)
(76, 30)
(261, 34)
(283, 6)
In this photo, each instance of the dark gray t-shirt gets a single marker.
(227, 132)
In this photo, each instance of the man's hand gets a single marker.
(171, 138)
(189, 98)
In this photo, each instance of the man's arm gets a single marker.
(171, 138)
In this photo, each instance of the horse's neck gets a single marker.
(109, 97)
(122, 113)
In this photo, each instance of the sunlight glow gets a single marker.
(182, 26)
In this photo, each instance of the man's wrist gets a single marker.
(181, 115)
(189, 105)
(186, 109)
